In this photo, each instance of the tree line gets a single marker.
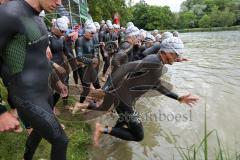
(193, 14)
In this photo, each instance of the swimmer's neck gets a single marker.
(34, 4)
(163, 58)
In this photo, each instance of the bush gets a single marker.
(205, 22)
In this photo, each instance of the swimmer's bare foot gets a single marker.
(63, 127)
(29, 131)
(14, 113)
(92, 87)
(19, 130)
(79, 106)
(56, 111)
(67, 107)
(97, 134)
(103, 79)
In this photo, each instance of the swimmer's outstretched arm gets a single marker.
(187, 99)
(154, 49)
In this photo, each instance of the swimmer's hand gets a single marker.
(8, 122)
(74, 36)
(62, 89)
(188, 99)
(98, 94)
(182, 59)
(49, 54)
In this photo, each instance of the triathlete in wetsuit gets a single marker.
(125, 52)
(70, 36)
(25, 71)
(121, 37)
(86, 54)
(59, 48)
(107, 37)
(129, 83)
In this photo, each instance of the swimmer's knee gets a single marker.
(62, 140)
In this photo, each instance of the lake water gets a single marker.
(213, 74)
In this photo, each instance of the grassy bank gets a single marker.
(12, 144)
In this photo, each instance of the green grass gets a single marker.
(12, 144)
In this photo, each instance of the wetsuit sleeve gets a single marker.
(8, 27)
(101, 37)
(79, 52)
(66, 51)
(96, 51)
(53, 77)
(51, 63)
(2, 109)
(96, 46)
(162, 89)
(118, 58)
(154, 49)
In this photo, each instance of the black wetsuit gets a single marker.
(96, 43)
(69, 45)
(124, 55)
(153, 49)
(25, 72)
(128, 83)
(85, 51)
(59, 48)
(138, 52)
(106, 37)
(114, 36)
(121, 37)
(141, 52)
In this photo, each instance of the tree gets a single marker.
(220, 12)
(153, 17)
(105, 9)
(222, 18)
(205, 22)
(187, 20)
